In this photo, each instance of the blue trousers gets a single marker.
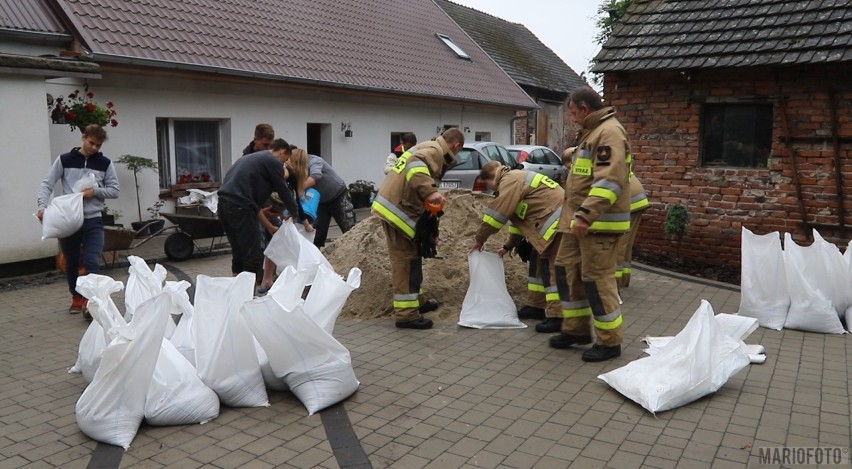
(88, 241)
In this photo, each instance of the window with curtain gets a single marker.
(188, 150)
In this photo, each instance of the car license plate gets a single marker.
(448, 185)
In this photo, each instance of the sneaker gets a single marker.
(420, 323)
(86, 315)
(566, 341)
(428, 306)
(78, 305)
(530, 312)
(599, 353)
(549, 326)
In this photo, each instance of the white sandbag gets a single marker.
(176, 395)
(289, 287)
(764, 293)
(309, 235)
(698, 361)
(112, 407)
(833, 274)
(810, 309)
(105, 315)
(328, 295)
(735, 326)
(288, 247)
(487, 304)
(847, 256)
(271, 381)
(316, 367)
(756, 353)
(63, 216)
(142, 284)
(224, 352)
(181, 337)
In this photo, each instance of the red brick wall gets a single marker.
(661, 112)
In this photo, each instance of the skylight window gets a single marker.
(453, 46)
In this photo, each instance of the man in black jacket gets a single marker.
(245, 188)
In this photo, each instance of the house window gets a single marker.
(482, 136)
(736, 135)
(188, 150)
(453, 46)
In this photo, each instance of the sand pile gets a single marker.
(446, 279)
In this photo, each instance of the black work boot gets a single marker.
(599, 353)
(566, 341)
(531, 312)
(419, 323)
(549, 326)
(428, 306)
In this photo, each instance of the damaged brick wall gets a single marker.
(661, 112)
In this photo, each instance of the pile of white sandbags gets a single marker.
(805, 288)
(228, 347)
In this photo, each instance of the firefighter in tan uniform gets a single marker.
(532, 203)
(399, 203)
(638, 204)
(595, 214)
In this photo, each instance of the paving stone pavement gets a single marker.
(449, 397)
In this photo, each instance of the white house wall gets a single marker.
(26, 158)
(141, 100)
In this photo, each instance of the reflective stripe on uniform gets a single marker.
(535, 284)
(494, 219)
(605, 189)
(551, 224)
(514, 230)
(576, 309)
(639, 201)
(609, 324)
(416, 167)
(551, 293)
(610, 222)
(406, 301)
(394, 215)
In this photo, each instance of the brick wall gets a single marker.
(661, 112)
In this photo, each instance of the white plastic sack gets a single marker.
(288, 288)
(735, 326)
(309, 235)
(698, 361)
(200, 197)
(112, 407)
(810, 309)
(487, 304)
(833, 273)
(847, 256)
(142, 284)
(764, 294)
(105, 315)
(177, 396)
(756, 353)
(269, 379)
(288, 247)
(63, 216)
(328, 295)
(316, 367)
(224, 352)
(181, 337)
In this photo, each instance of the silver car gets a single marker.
(472, 157)
(540, 160)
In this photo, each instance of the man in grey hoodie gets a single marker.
(77, 164)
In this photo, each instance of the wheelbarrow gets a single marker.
(123, 239)
(189, 228)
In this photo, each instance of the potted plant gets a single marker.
(79, 109)
(154, 210)
(137, 164)
(109, 215)
(360, 192)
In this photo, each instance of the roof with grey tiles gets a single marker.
(681, 34)
(29, 15)
(380, 45)
(517, 50)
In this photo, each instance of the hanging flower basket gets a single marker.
(79, 109)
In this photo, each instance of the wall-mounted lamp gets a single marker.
(467, 130)
(346, 128)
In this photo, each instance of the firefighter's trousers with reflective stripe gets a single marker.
(625, 250)
(592, 294)
(535, 284)
(406, 274)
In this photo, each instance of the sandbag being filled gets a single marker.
(487, 304)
